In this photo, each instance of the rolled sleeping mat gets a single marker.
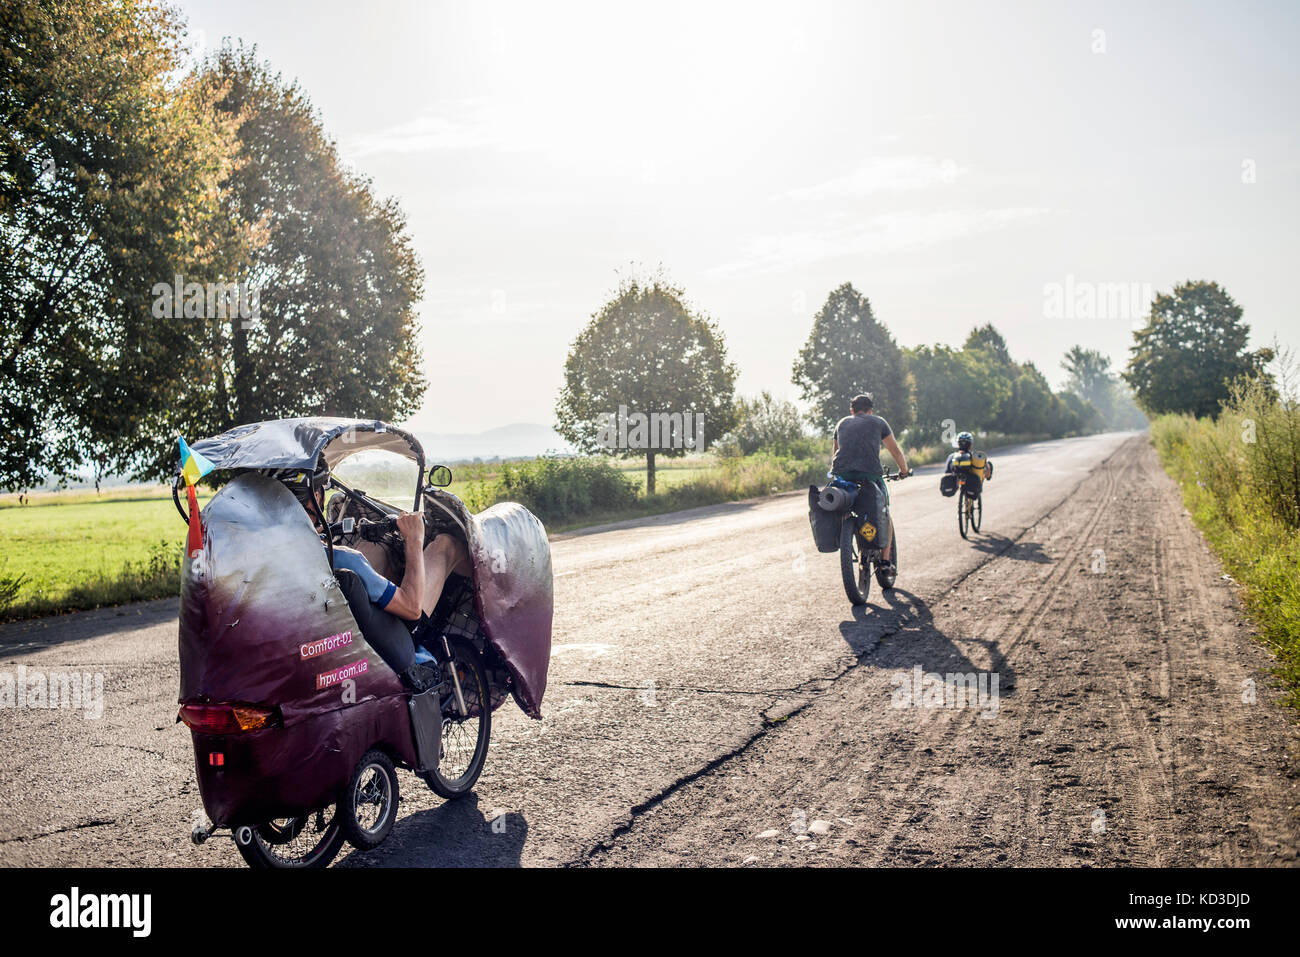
(835, 499)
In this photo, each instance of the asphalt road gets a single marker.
(713, 696)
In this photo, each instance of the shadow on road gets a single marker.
(37, 634)
(453, 834)
(901, 634)
(992, 544)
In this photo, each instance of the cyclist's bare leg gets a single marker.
(887, 553)
(442, 556)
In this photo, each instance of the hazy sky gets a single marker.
(952, 160)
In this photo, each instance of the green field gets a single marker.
(668, 472)
(79, 550)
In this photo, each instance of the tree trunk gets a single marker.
(650, 471)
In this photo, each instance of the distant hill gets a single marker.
(521, 440)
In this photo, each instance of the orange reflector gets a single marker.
(227, 718)
(253, 719)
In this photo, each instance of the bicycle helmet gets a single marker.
(965, 441)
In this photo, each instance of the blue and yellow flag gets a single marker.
(193, 468)
(193, 465)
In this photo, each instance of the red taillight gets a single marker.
(227, 718)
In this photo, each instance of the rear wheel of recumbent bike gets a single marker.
(963, 512)
(369, 805)
(854, 568)
(465, 733)
(311, 840)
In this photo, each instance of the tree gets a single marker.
(1029, 406)
(1018, 393)
(109, 167)
(335, 276)
(986, 337)
(646, 377)
(1191, 350)
(768, 424)
(1090, 378)
(848, 351)
(1070, 414)
(954, 391)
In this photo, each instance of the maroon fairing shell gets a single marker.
(285, 772)
(260, 591)
(259, 608)
(513, 589)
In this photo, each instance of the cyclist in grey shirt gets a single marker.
(856, 452)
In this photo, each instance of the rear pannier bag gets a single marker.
(825, 525)
(872, 509)
(948, 484)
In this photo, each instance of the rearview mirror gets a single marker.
(440, 476)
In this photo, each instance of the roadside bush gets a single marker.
(1238, 475)
(765, 424)
(10, 585)
(559, 489)
(567, 491)
(749, 476)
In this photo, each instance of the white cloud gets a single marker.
(883, 174)
(886, 233)
(461, 126)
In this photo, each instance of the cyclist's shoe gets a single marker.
(421, 677)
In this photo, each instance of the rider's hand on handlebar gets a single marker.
(411, 527)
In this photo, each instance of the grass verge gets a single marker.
(1233, 497)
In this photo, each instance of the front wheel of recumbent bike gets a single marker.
(854, 568)
(464, 745)
(977, 512)
(311, 840)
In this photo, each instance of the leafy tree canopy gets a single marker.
(122, 175)
(849, 351)
(646, 353)
(108, 167)
(336, 277)
(1191, 351)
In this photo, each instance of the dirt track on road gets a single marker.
(1124, 731)
(710, 684)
